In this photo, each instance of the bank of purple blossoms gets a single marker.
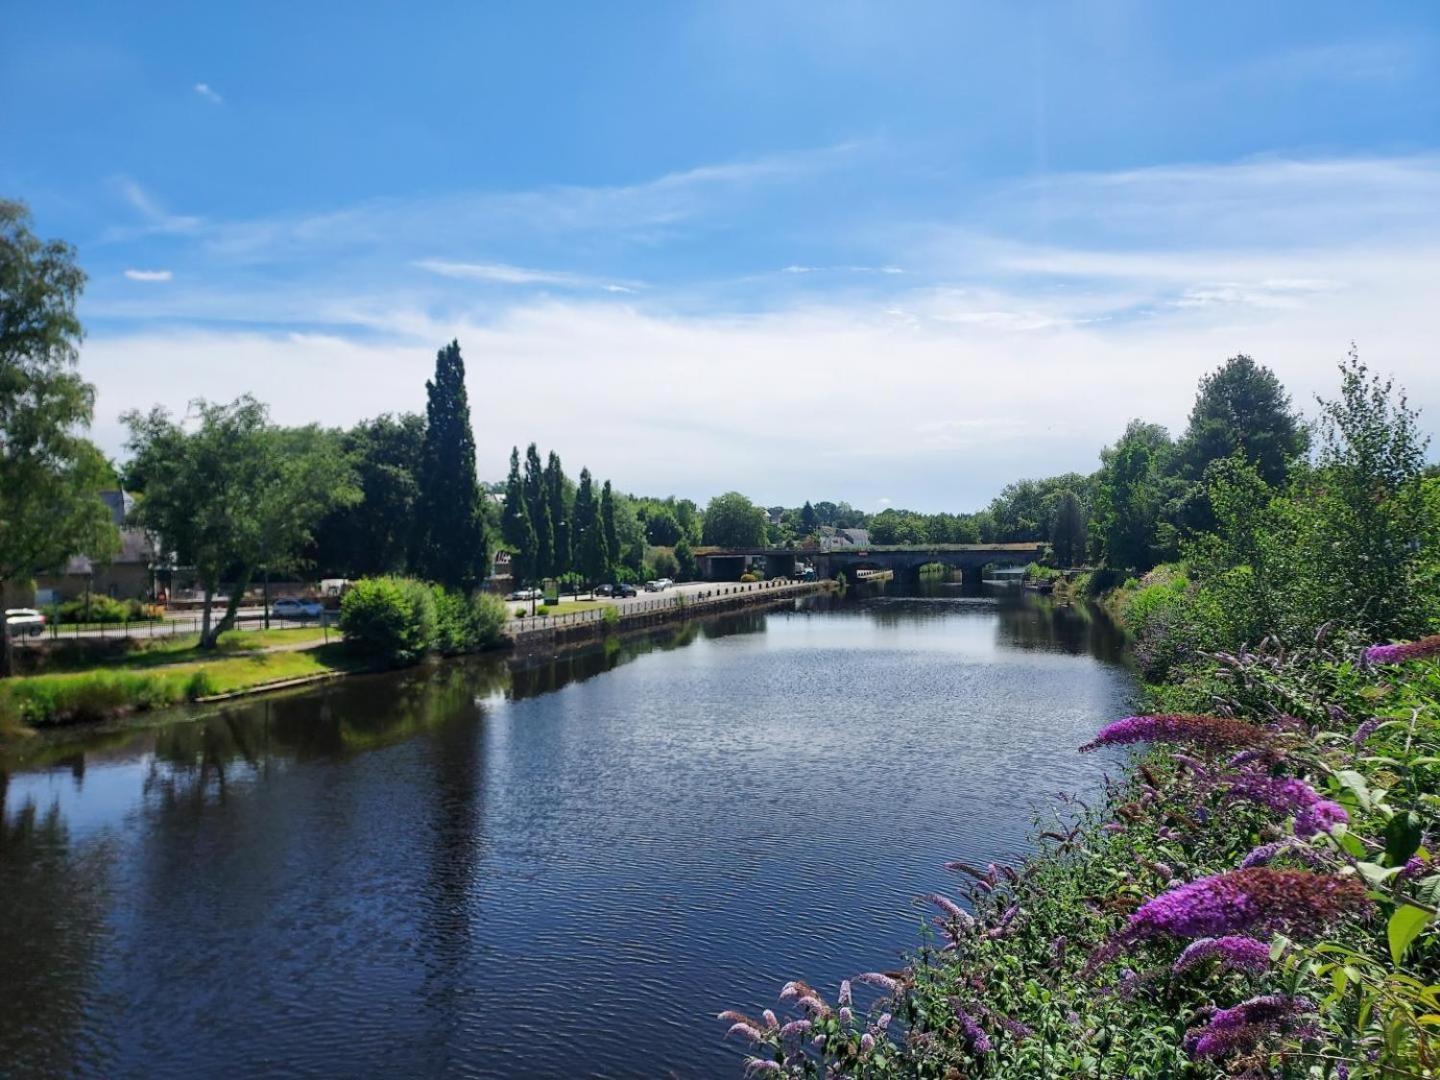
(1424, 649)
(1204, 732)
(1257, 899)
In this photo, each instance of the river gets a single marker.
(559, 868)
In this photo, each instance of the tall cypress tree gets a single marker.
(559, 513)
(538, 507)
(451, 544)
(515, 525)
(607, 524)
(592, 557)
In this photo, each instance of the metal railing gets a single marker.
(165, 626)
(698, 598)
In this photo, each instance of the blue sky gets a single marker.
(895, 254)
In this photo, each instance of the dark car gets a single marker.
(622, 591)
(605, 590)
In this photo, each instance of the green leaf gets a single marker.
(1355, 783)
(1402, 837)
(1375, 874)
(1405, 926)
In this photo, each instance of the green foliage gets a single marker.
(1068, 530)
(537, 509)
(374, 535)
(451, 545)
(390, 621)
(748, 577)
(99, 608)
(609, 529)
(515, 526)
(558, 503)
(1242, 411)
(592, 553)
(50, 474)
(1131, 495)
(232, 493)
(687, 567)
(733, 521)
(664, 564)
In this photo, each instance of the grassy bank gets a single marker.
(166, 672)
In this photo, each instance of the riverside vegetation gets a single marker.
(1256, 892)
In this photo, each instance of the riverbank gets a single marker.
(1253, 895)
(90, 685)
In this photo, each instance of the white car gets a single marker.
(293, 608)
(664, 583)
(25, 622)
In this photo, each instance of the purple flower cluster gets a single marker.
(973, 1032)
(1205, 732)
(1312, 813)
(1399, 654)
(1241, 1028)
(1233, 951)
(1258, 899)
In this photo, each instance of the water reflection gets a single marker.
(509, 866)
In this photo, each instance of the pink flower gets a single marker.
(880, 981)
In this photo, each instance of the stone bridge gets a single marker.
(727, 564)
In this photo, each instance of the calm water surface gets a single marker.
(560, 869)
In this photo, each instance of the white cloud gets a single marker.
(1005, 350)
(149, 275)
(204, 90)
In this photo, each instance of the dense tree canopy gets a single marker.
(732, 520)
(515, 526)
(232, 493)
(374, 536)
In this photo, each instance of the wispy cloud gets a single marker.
(149, 275)
(505, 274)
(206, 92)
(156, 218)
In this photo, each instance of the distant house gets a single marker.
(832, 538)
(130, 575)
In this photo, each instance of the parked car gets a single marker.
(25, 622)
(605, 590)
(652, 586)
(664, 583)
(526, 594)
(622, 591)
(292, 607)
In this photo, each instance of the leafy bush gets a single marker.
(92, 696)
(389, 620)
(395, 621)
(747, 577)
(662, 563)
(100, 609)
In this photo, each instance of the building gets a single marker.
(832, 538)
(130, 575)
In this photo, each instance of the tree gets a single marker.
(233, 494)
(687, 568)
(893, 526)
(607, 525)
(1242, 408)
(451, 547)
(592, 557)
(50, 474)
(809, 521)
(733, 521)
(372, 537)
(1367, 504)
(1130, 496)
(554, 482)
(1067, 528)
(538, 507)
(515, 527)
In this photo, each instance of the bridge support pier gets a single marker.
(778, 564)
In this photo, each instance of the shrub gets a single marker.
(91, 697)
(389, 620)
(519, 612)
(747, 577)
(611, 616)
(662, 563)
(100, 609)
(487, 620)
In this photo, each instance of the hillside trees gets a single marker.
(733, 521)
